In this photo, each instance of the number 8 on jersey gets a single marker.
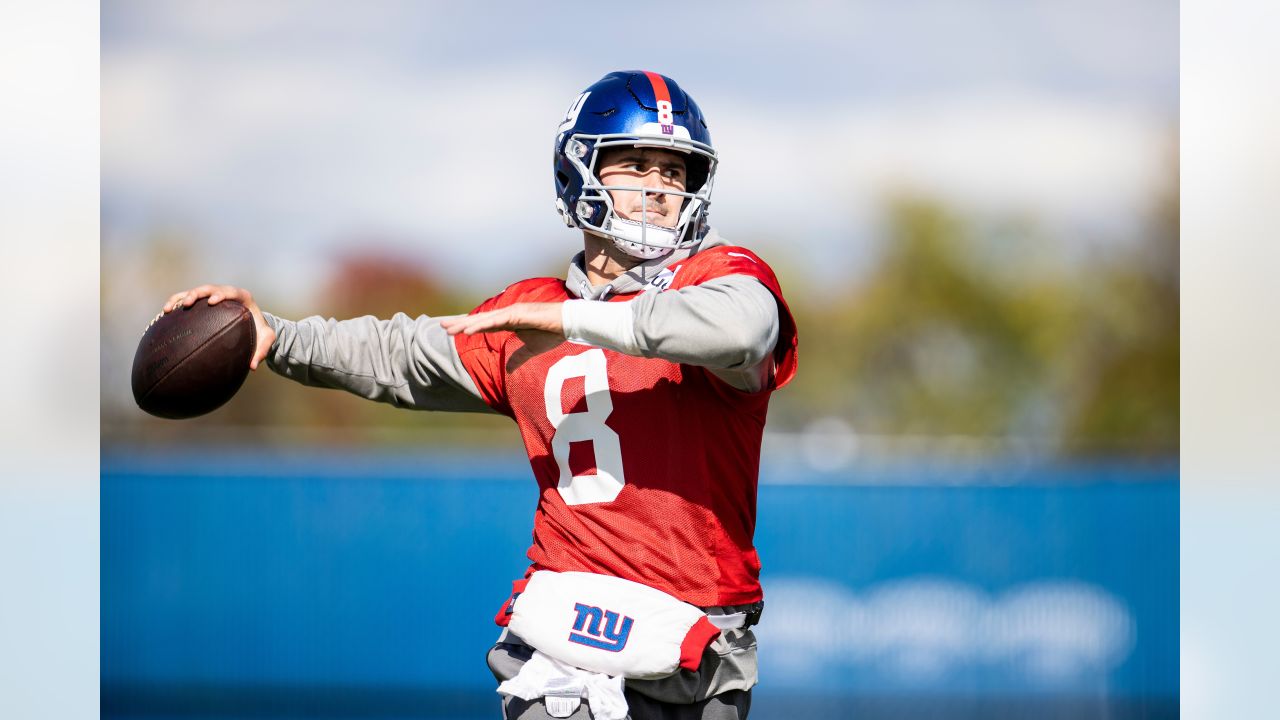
(609, 478)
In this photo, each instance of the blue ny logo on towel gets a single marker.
(612, 639)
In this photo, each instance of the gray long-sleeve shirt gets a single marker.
(728, 325)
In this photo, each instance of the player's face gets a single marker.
(656, 169)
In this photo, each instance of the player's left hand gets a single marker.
(519, 316)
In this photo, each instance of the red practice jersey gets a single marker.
(647, 468)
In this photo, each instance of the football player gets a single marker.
(639, 382)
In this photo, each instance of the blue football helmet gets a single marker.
(637, 109)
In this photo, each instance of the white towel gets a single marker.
(610, 625)
(564, 686)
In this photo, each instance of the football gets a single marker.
(192, 360)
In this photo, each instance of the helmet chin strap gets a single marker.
(634, 237)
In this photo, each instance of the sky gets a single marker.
(279, 134)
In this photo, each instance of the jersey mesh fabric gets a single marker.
(690, 449)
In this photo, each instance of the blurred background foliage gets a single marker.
(944, 339)
(961, 326)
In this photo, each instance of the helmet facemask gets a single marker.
(641, 239)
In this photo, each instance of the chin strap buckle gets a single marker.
(564, 212)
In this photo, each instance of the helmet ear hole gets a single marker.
(697, 169)
(561, 178)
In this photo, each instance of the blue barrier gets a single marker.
(251, 578)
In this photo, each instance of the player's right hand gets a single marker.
(218, 293)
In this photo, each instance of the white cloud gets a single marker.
(1000, 151)
(303, 129)
(301, 154)
(816, 179)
